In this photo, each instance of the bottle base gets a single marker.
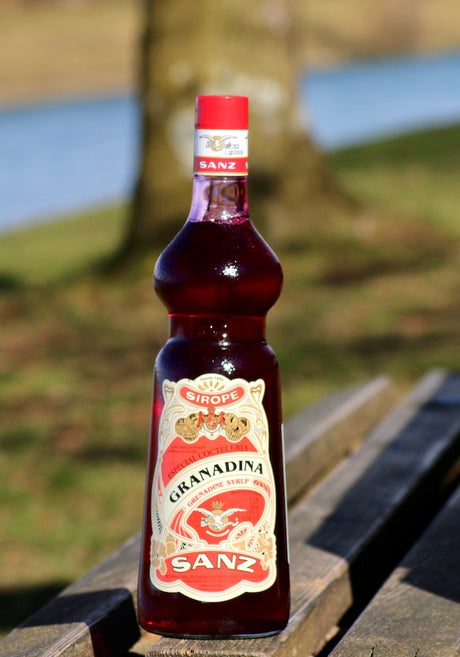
(218, 637)
(219, 633)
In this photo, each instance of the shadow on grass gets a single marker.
(390, 352)
(17, 604)
(127, 453)
(9, 283)
(413, 250)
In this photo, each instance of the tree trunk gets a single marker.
(231, 47)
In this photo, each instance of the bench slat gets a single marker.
(93, 616)
(417, 611)
(97, 612)
(340, 530)
(320, 436)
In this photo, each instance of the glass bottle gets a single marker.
(214, 559)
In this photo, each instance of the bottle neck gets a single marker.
(219, 199)
(217, 328)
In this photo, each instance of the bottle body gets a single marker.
(214, 559)
(250, 613)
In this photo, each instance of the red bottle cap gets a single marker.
(228, 112)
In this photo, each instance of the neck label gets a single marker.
(218, 152)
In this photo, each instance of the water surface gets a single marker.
(60, 158)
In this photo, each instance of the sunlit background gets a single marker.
(69, 113)
(379, 96)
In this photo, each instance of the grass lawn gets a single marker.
(380, 294)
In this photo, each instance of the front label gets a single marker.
(213, 494)
(221, 152)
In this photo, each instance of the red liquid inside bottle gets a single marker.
(214, 559)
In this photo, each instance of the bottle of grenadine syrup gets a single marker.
(214, 559)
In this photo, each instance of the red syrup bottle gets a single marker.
(214, 559)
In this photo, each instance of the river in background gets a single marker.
(60, 158)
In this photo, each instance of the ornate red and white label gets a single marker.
(221, 152)
(213, 494)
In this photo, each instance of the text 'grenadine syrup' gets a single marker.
(214, 559)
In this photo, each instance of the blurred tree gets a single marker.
(232, 47)
(399, 25)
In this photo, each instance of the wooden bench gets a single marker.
(417, 610)
(365, 478)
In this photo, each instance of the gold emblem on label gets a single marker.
(215, 142)
(233, 427)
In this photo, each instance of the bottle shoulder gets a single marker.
(218, 267)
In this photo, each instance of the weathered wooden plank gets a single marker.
(320, 436)
(339, 532)
(93, 616)
(99, 609)
(417, 611)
